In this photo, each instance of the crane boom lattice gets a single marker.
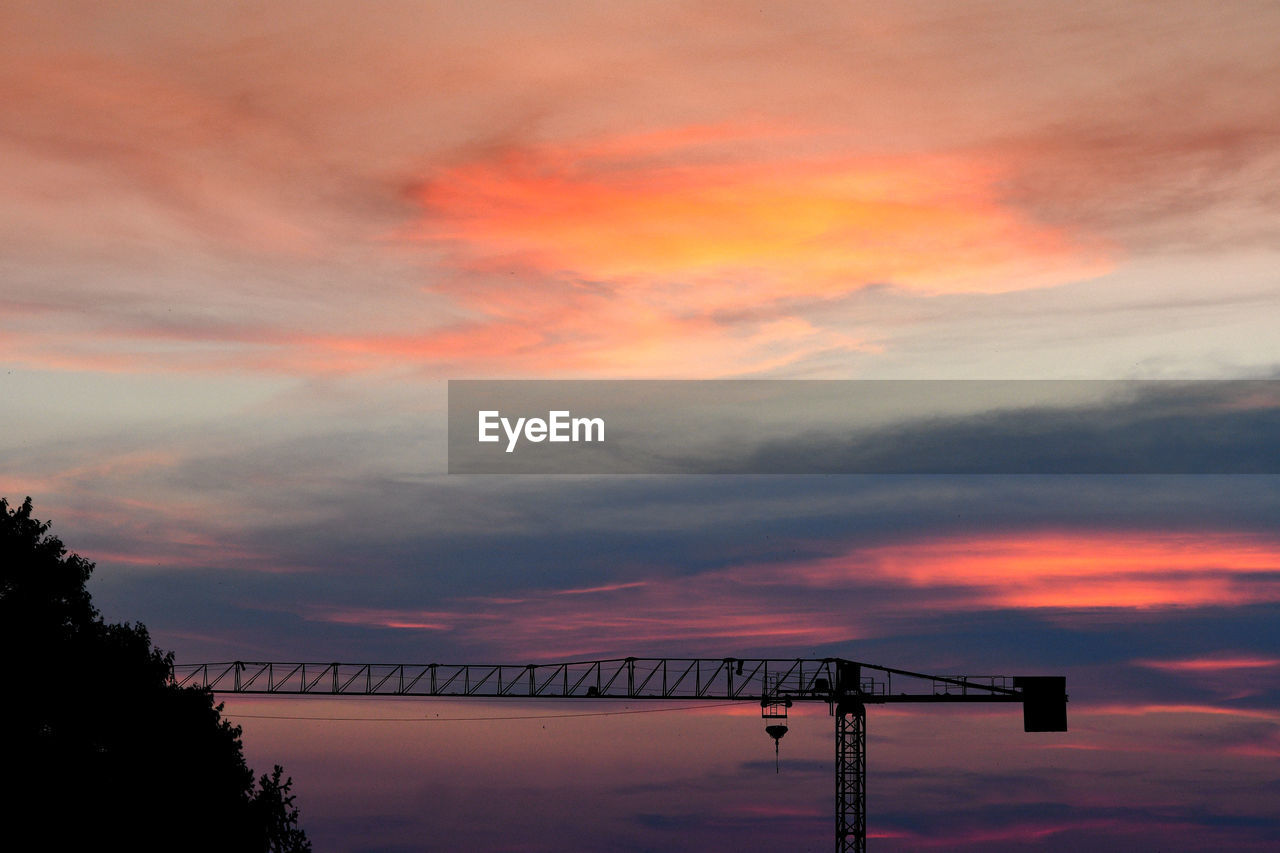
(847, 686)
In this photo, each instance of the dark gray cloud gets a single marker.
(1165, 428)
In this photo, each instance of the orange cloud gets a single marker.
(1069, 570)
(707, 227)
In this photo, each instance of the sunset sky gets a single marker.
(243, 247)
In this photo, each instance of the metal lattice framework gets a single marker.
(620, 678)
(847, 686)
(851, 777)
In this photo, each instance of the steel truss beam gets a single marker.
(847, 686)
(851, 777)
(800, 679)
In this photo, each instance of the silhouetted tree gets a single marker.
(102, 749)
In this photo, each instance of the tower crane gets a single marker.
(846, 686)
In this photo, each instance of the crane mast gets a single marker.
(846, 686)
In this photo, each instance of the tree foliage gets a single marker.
(105, 750)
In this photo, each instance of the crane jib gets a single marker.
(847, 686)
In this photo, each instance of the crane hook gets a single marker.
(776, 732)
(774, 711)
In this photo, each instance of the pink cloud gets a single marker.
(1211, 664)
(825, 601)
